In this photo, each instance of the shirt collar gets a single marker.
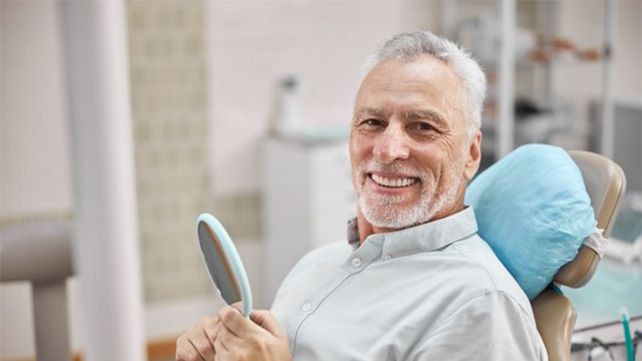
(422, 238)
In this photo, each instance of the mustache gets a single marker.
(378, 166)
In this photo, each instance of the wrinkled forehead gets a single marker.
(427, 78)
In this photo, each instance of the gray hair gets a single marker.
(410, 45)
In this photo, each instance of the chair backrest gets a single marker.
(554, 314)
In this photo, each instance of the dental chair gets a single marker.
(554, 314)
(40, 253)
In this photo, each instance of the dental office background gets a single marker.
(241, 109)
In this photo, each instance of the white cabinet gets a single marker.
(308, 199)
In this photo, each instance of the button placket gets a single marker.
(356, 262)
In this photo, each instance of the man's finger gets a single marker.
(210, 326)
(233, 320)
(185, 351)
(238, 305)
(267, 321)
(197, 351)
(203, 346)
(227, 338)
(219, 347)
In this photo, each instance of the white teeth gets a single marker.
(393, 182)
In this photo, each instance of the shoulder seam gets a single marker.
(496, 289)
(468, 301)
(456, 248)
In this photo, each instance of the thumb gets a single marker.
(267, 321)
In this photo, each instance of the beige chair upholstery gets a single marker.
(554, 314)
(40, 253)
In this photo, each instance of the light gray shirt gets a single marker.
(431, 292)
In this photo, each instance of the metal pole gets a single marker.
(607, 124)
(548, 28)
(506, 124)
(106, 245)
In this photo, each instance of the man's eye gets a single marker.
(372, 122)
(423, 127)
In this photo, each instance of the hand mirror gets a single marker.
(223, 263)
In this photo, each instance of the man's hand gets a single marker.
(240, 339)
(197, 344)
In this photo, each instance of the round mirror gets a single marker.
(223, 263)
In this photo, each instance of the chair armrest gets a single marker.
(36, 252)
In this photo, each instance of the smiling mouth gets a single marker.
(392, 183)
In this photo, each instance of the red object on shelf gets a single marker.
(562, 44)
(540, 56)
(590, 54)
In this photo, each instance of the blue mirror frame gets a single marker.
(218, 248)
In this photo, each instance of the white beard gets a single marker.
(384, 211)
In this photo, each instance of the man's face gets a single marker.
(409, 146)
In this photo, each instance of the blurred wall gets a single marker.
(35, 174)
(583, 23)
(34, 147)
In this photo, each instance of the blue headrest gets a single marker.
(533, 210)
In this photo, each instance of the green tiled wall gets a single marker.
(168, 84)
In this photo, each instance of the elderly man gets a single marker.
(414, 281)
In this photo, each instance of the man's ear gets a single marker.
(473, 157)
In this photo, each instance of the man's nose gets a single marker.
(391, 145)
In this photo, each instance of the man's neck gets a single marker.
(366, 228)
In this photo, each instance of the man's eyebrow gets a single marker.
(375, 112)
(408, 115)
(424, 114)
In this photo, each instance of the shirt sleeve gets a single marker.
(491, 326)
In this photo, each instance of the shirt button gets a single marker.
(306, 307)
(356, 262)
(387, 257)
